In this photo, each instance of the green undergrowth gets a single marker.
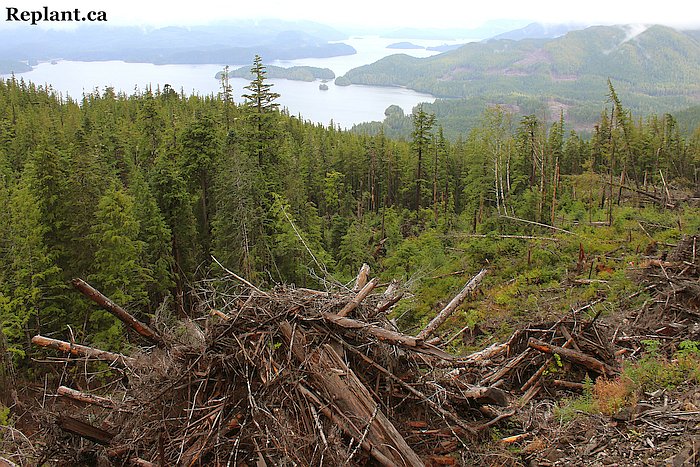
(530, 280)
(653, 371)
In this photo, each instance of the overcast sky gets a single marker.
(386, 13)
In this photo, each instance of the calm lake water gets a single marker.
(344, 106)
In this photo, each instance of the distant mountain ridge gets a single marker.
(654, 68)
(226, 43)
(538, 31)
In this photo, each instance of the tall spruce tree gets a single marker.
(422, 135)
(118, 265)
(261, 103)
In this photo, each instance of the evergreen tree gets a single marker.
(32, 278)
(156, 238)
(199, 150)
(118, 266)
(423, 123)
(262, 109)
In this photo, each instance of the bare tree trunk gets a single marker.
(554, 190)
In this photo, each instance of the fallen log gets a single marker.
(574, 356)
(540, 371)
(515, 438)
(483, 395)
(104, 302)
(376, 331)
(329, 373)
(347, 427)
(568, 384)
(388, 335)
(389, 299)
(505, 369)
(85, 397)
(361, 295)
(141, 462)
(422, 397)
(82, 350)
(452, 306)
(85, 430)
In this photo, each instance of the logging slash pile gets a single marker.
(294, 376)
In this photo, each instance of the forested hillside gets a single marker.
(135, 193)
(655, 69)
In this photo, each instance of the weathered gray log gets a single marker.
(387, 335)
(362, 278)
(390, 298)
(361, 295)
(376, 331)
(452, 306)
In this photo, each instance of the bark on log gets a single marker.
(332, 377)
(568, 384)
(347, 427)
(540, 371)
(486, 354)
(422, 397)
(483, 395)
(361, 295)
(505, 369)
(104, 302)
(573, 356)
(85, 430)
(82, 350)
(452, 306)
(85, 397)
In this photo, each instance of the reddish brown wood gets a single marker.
(573, 356)
(85, 430)
(82, 350)
(85, 397)
(104, 302)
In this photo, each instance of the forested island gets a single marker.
(233, 234)
(404, 45)
(297, 73)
